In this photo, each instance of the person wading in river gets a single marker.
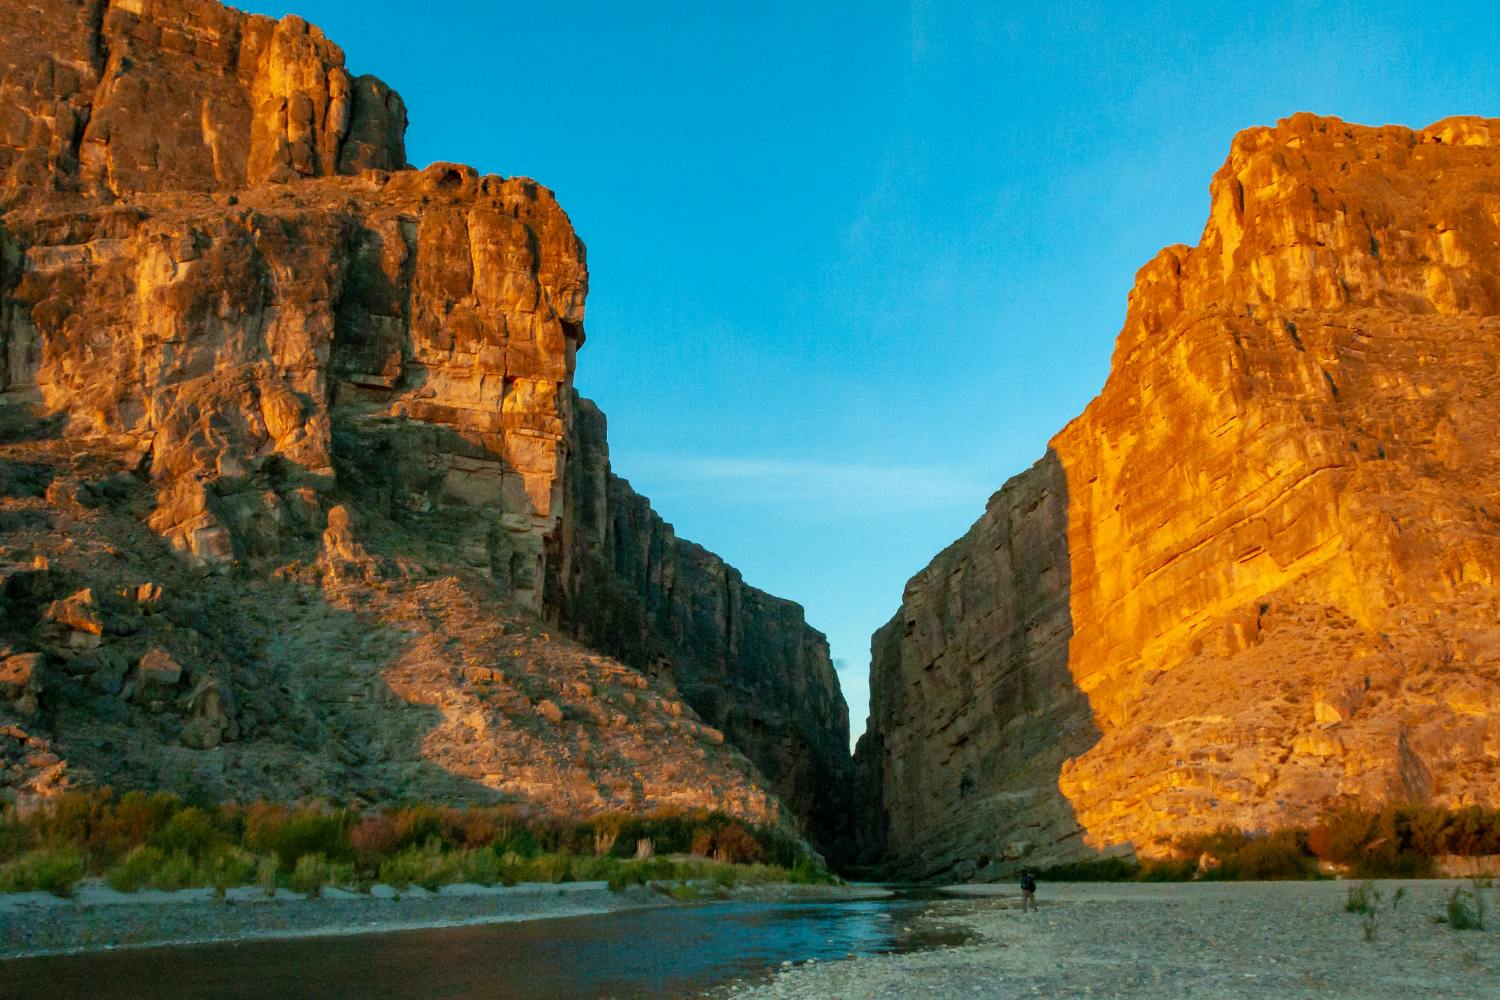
(1028, 891)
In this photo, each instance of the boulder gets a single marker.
(157, 674)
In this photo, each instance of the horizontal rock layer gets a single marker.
(1257, 576)
(292, 359)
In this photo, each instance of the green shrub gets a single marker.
(1101, 870)
(178, 870)
(265, 875)
(1278, 856)
(550, 868)
(136, 869)
(417, 825)
(189, 831)
(13, 834)
(231, 866)
(313, 831)
(1364, 900)
(46, 869)
(520, 842)
(311, 874)
(428, 867)
(1465, 909)
(1167, 870)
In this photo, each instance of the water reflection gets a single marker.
(669, 952)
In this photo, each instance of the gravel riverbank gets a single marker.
(98, 918)
(1194, 940)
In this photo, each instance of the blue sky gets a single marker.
(853, 264)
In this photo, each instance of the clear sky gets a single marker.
(853, 264)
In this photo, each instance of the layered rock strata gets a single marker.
(1257, 576)
(299, 360)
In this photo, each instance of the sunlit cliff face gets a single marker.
(1283, 561)
(1282, 532)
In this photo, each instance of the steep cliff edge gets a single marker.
(1257, 576)
(339, 392)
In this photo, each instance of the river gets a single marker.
(666, 952)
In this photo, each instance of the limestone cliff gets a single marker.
(1257, 576)
(232, 317)
(745, 660)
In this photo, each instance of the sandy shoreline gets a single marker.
(100, 919)
(1186, 940)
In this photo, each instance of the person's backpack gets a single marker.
(1028, 883)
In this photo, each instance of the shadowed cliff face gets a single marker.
(217, 278)
(1280, 519)
(746, 661)
(973, 709)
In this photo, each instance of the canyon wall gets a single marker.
(231, 315)
(745, 660)
(1257, 576)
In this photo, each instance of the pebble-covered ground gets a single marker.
(36, 923)
(1200, 941)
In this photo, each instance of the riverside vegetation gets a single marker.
(1397, 842)
(138, 841)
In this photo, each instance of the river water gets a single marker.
(666, 952)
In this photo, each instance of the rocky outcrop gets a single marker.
(109, 97)
(1257, 576)
(228, 310)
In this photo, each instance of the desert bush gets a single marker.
(1465, 910)
(417, 825)
(265, 875)
(228, 867)
(311, 874)
(177, 870)
(1100, 870)
(550, 868)
(703, 842)
(133, 820)
(1365, 900)
(372, 839)
(737, 845)
(13, 834)
(189, 831)
(477, 827)
(807, 872)
(645, 848)
(1167, 870)
(135, 870)
(312, 830)
(428, 866)
(263, 822)
(520, 842)
(45, 869)
(1277, 856)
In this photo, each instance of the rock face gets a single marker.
(1258, 575)
(745, 660)
(230, 311)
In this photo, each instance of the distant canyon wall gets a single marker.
(1257, 576)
